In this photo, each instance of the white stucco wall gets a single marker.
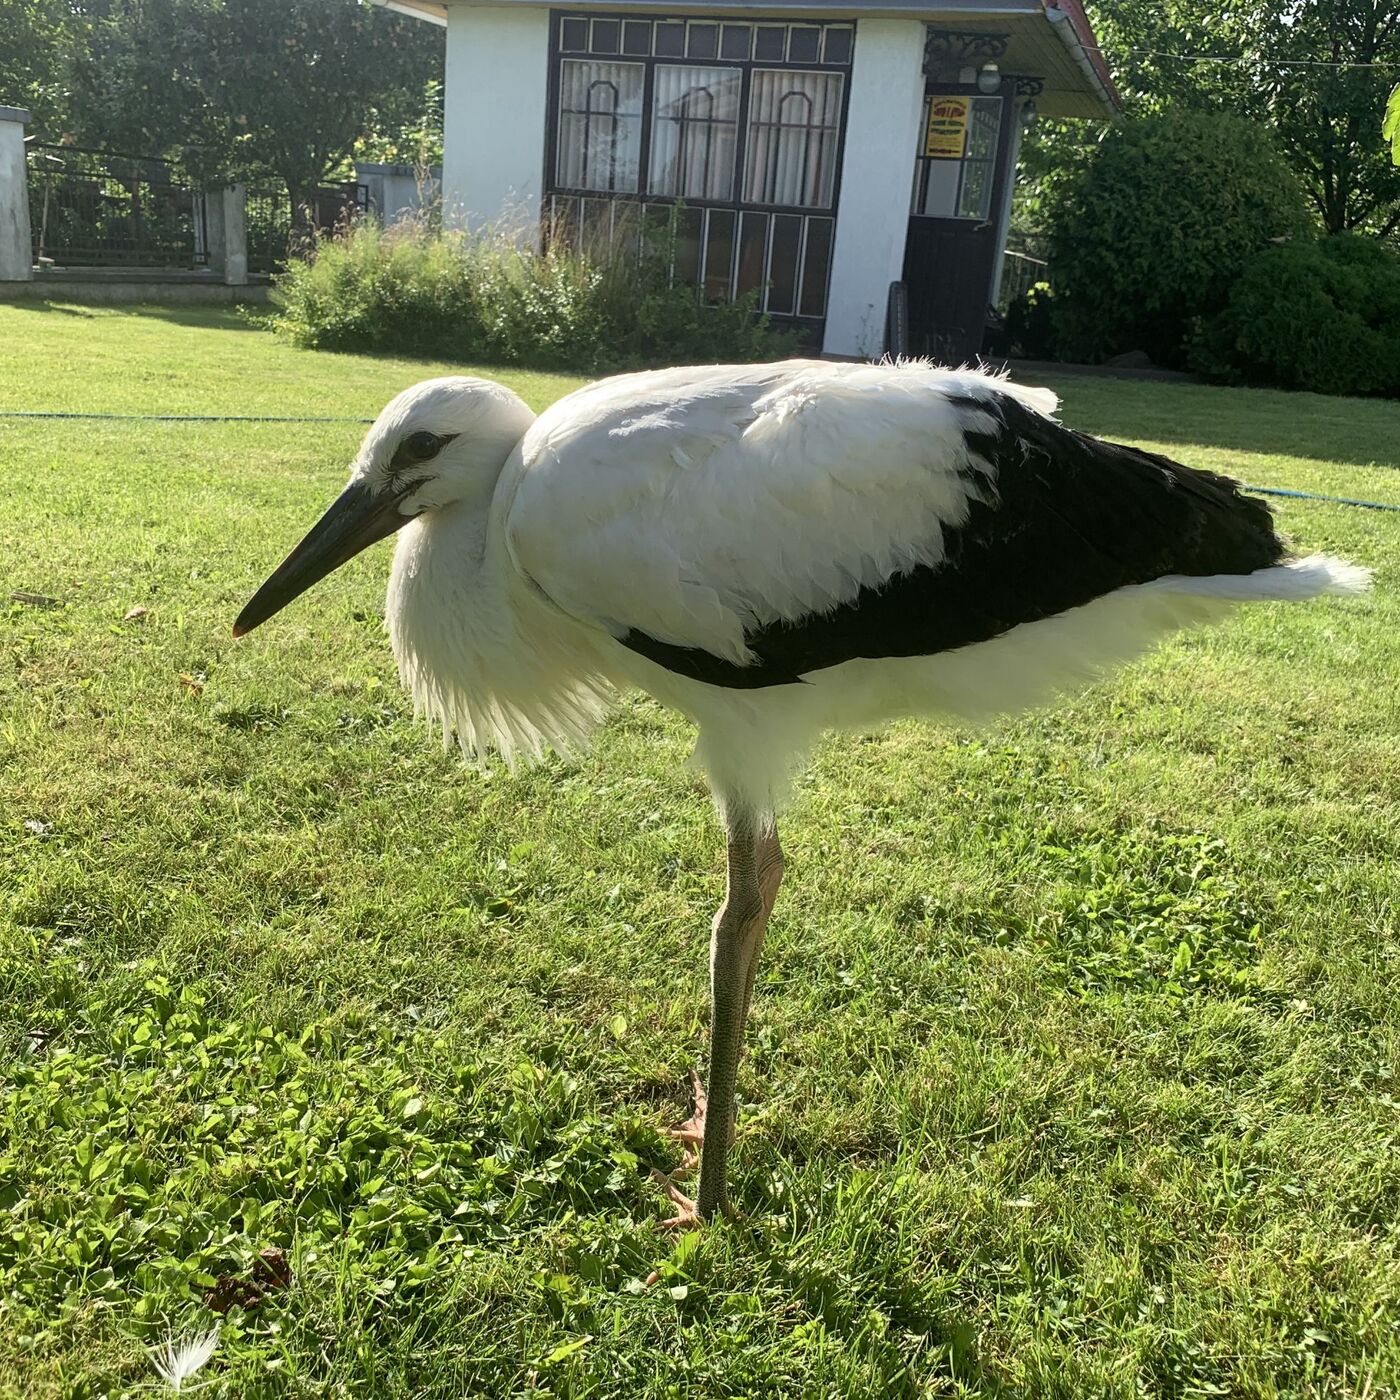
(877, 175)
(16, 254)
(496, 96)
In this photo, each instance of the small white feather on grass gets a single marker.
(176, 1362)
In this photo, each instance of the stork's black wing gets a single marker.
(1072, 518)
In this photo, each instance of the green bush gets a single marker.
(485, 299)
(1322, 316)
(1030, 322)
(1152, 231)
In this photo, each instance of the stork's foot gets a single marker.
(692, 1131)
(687, 1216)
(691, 1134)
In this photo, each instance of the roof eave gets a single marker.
(1068, 20)
(433, 11)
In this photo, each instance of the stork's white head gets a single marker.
(441, 443)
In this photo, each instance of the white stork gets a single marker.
(773, 550)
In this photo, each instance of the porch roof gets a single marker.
(1047, 39)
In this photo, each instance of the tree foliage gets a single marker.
(291, 84)
(1273, 62)
(37, 39)
(1150, 231)
(1344, 290)
(246, 87)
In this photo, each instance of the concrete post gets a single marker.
(872, 214)
(16, 249)
(226, 228)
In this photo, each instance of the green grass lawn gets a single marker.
(1073, 1063)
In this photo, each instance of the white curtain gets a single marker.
(695, 118)
(600, 125)
(794, 125)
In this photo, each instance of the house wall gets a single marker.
(877, 171)
(494, 119)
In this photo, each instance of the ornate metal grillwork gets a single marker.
(950, 49)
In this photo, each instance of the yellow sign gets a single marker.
(947, 127)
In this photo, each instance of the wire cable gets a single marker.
(254, 418)
(180, 417)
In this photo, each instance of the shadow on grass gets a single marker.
(1267, 422)
(198, 316)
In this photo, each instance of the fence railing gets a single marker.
(1019, 273)
(90, 208)
(100, 208)
(272, 232)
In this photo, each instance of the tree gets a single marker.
(1148, 234)
(243, 88)
(132, 82)
(291, 84)
(1274, 62)
(37, 41)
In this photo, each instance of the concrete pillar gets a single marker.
(397, 192)
(877, 176)
(16, 248)
(1018, 127)
(226, 228)
(493, 124)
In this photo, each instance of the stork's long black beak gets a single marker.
(354, 522)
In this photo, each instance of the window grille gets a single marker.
(600, 121)
(794, 128)
(738, 121)
(695, 124)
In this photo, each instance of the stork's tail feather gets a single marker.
(1294, 581)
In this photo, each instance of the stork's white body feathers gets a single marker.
(695, 505)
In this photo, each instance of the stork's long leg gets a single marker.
(755, 869)
(770, 877)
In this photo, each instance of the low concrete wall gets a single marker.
(109, 287)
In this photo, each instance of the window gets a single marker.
(726, 131)
(794, 122)
(600, 123)
(955, 173)
(695, 122)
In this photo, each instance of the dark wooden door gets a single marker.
(950, 254)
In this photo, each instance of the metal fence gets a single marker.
(1020, 271)
(273, 235)
(102, 209)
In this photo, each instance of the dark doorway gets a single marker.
(960, 187)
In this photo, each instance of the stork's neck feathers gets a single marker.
(481, 652)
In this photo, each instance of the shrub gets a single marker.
(1322, 316)
(1153, 229)
(1030, 322)
(483, 298)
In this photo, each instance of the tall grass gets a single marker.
(486, 297)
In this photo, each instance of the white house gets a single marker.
(821, 150)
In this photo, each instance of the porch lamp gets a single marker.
(989, 78)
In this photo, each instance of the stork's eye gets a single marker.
(418, 447)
